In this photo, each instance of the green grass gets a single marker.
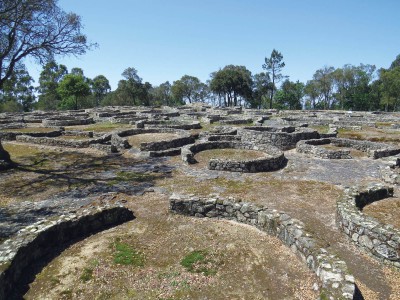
(124, 254)
(197, 262)
(87, 274)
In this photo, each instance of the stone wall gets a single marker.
(63, 142)
(43, 238)
(66, 121)
(374, 150)
(12, 135)
(312, 147)
(379, 240)
(274, 159)
(335, 280)
(282, 140)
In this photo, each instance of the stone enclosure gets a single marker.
(275, 135)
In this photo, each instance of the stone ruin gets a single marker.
(269, 132)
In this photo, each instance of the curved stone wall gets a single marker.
(161, 148)
(12, 135)
(274, 158)
(335, 280)
(63, 142)
(283, 138)
(374, 150)
(66, 121)
(382, 241)
(43, 238)
(311, 147)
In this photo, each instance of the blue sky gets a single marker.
(165, 40)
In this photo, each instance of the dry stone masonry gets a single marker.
(42, 238)
(335, 280)
(273, 159)
(382, 241)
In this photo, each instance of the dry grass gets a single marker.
(386, 211)
(382, 135)
(239, 255)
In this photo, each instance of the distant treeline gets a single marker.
(350, 87)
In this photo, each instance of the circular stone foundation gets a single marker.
(270, 158)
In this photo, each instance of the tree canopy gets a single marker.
(38, 29)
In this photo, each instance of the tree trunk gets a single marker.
(5, 159)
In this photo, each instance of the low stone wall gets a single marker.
(160, 146)
(374, 150)
(63, 142)
(12, 136)
(335, 280)
(66, 121)
(379, 240)
(280, 139)
(43, 238)
(312, 147)
(274, 158)
(236, 121)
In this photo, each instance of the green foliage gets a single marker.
(72, 88)
(131, 91)
(274, 65)
(39, 29)
(290, 95)
(49, 80)
(124, 254)
(86, 275)
(188, 89)
(18, 93)
(390, 84)
(197, 262)
(232, 82)
(100, 88)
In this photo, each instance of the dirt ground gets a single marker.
(245, 263)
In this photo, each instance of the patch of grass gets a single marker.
(87, 274)
(19, 150)
(124, 254)
(349, 134)
(198, 262)
(320, 128)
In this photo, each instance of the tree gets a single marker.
(100, 87)
(289, 96)
(311, 90)
(188, 89)
(390, 88)
(262, 86)
(274, 65)
(18, 92)
(353, 86)
(72, 88)
(49, 80)
(38, 29)
(232, 82)
(324, 84)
